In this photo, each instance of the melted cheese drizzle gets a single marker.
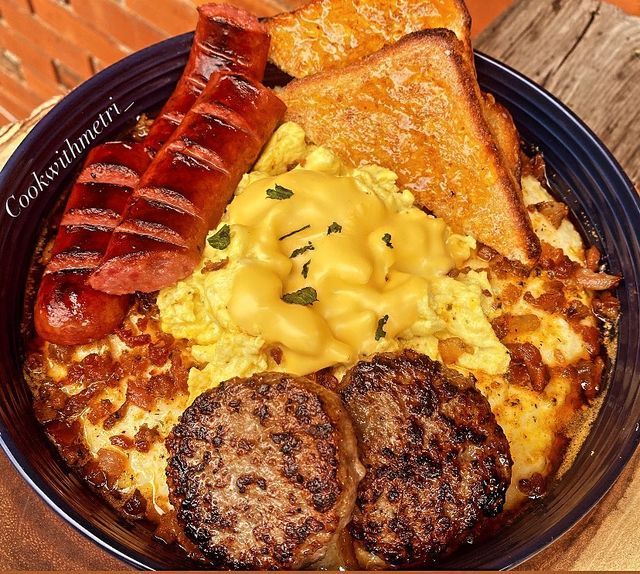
(359, 278)
(377, 263)
(349, 271)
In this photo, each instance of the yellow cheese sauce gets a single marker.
(235, 315)
(374, 266)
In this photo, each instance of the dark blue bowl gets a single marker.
(583, 173)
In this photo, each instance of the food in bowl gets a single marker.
(327, 312)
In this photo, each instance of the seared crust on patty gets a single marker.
(263, 472)
(436, 460)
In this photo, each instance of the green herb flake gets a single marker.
(305, 269)
(334, 228)
(305, 296)
(279, 192)
(380, 332)
(221, 238)
(387, 240)
(308, 247)
(293, 232)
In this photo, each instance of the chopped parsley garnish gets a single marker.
(308, 247)
(279, 192)
(294, 232)
(305, 269)
(334, 228)
(305, 296)
(380, 332)
(387, 240)
(221, 238)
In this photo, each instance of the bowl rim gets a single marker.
(615, 467)
(490, 65)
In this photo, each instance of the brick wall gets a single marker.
(49, 46)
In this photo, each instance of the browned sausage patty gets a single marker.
(263, 472)
(436, 460)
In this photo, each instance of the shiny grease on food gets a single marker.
(437, 462)
(331, 293)
(68, 311)
(115, 401)
(186, 188)
(263, 472)
(352, 239)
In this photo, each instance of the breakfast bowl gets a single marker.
(581, 172)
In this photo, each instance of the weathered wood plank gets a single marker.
(587, 53)
(607, 538)
(33, 537)
(11, 135)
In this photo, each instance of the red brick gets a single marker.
(17, 97)
(23, 4)
(171, 16)
(125, 26)
(46, 38)
(68, 24)
(260, 7)
(32, 57)
(43, 89)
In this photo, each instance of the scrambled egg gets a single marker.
(565, 237)
(326, 265)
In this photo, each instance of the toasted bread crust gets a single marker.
(326, 34)
(504, 133)
(420, 94)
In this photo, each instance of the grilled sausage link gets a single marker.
(188, 185)
(67, 311)
(226, 39)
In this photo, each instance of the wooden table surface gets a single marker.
(588, 54)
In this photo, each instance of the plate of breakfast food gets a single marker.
(318, 291)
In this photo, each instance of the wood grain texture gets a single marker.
(585, 52)
(12, 135)
(588, 54)
(33, 537)
(607, 538)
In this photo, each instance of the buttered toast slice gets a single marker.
(326, 34)
(416, 108)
